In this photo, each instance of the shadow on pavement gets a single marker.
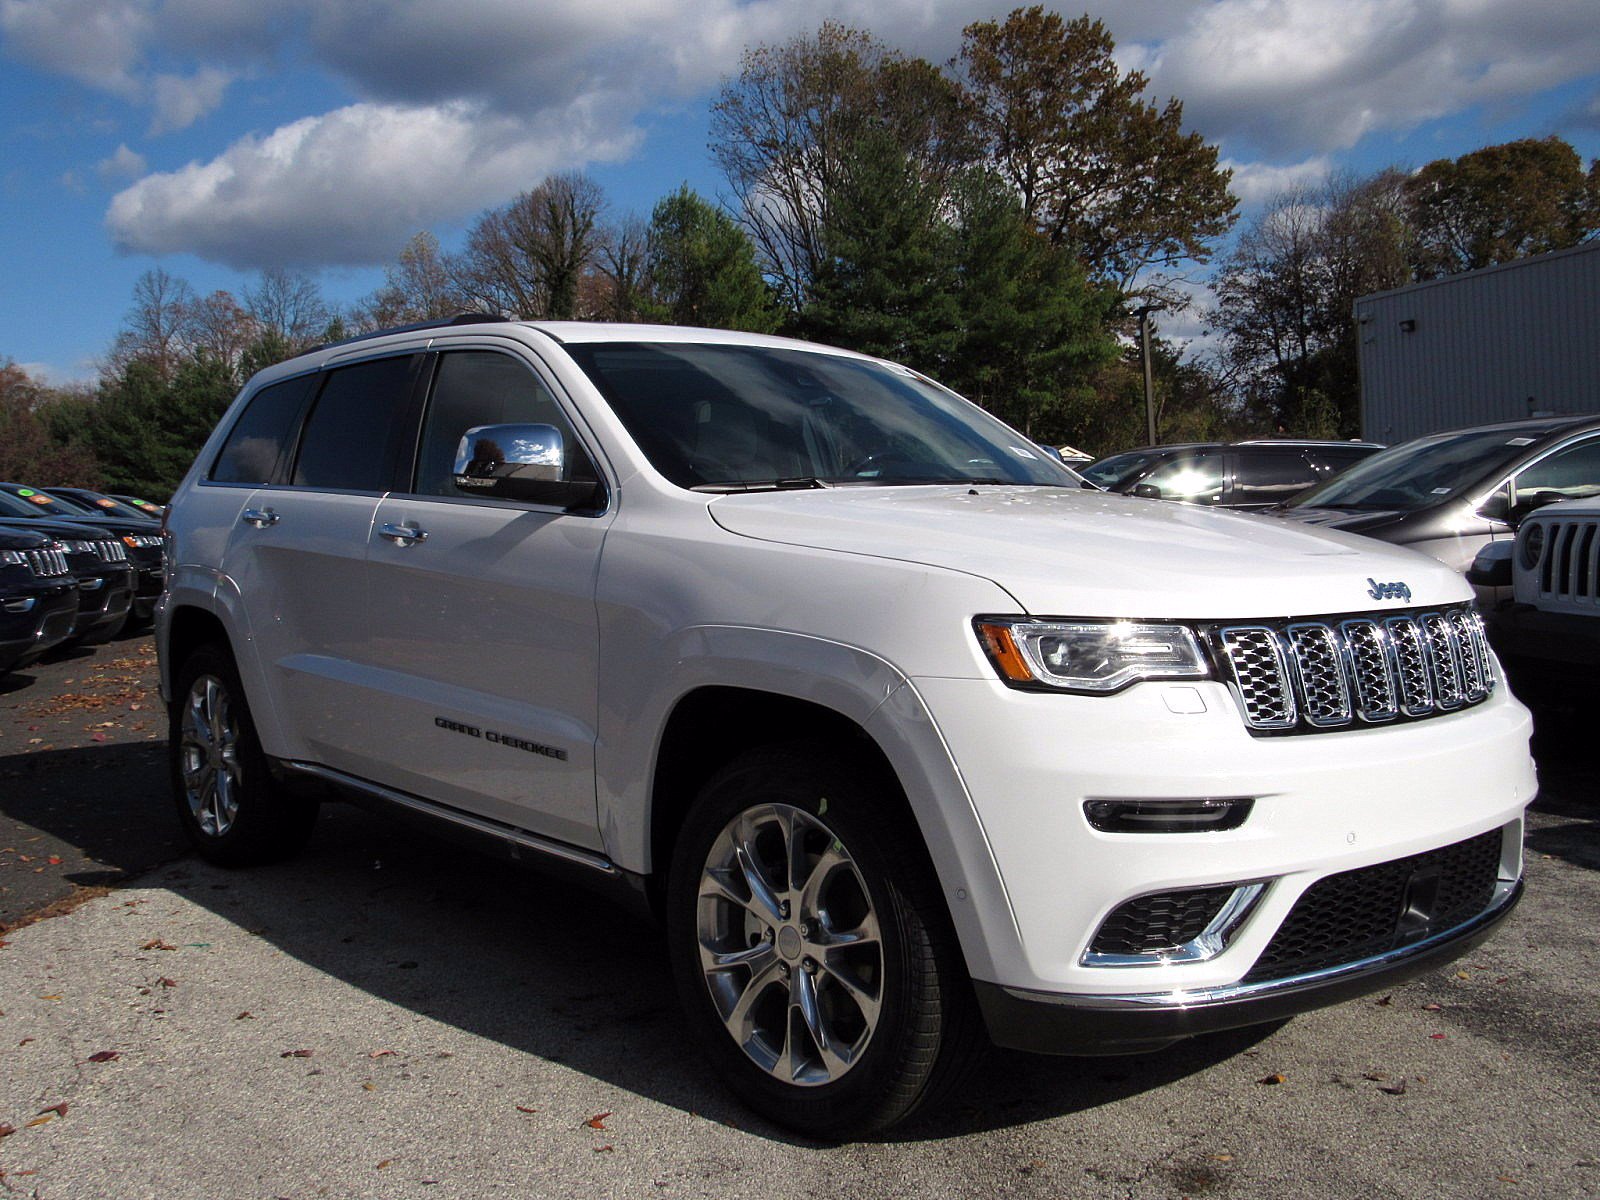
(552, 972)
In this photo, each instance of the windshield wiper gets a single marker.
(796, 484)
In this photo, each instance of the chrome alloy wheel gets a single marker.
(790, 945)
(209, 756)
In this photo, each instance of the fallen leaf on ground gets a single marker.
(598, 1121)
(1462, 975)
(7, 1130)
(524, 1108)
(60, 1110)
(244, 1016)
(38, 1121)
(606, 1149)
(1375, 1076)
(157, 944)
(54, 860)
(369, 1087)
(1271, 1080)
(296, 1054)
(1438, 1037)
(167, 983)
(1222, 1158)
(55, 996)
(1433, 1008)
(381, 1054)
(386, 1162)
(1398, 1089)
(1385, 1002)
(104, 1056)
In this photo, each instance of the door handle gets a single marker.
(403, 535)
(259, 517)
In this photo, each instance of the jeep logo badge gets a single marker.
(1388, 591)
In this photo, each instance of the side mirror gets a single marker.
(1492, 567)
(520, 462)
(1147, 491)
(1497, 507)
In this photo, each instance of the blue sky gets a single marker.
(213, 138)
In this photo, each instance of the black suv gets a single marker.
(1247, 475)
(38, 597)
(139, 536)
(99, 563)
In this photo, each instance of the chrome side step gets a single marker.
(510, 834)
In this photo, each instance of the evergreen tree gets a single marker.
(148, 429)
(702, 268)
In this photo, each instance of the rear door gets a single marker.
(482, 620)
(297, 560)
(1264, 477)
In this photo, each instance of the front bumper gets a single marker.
(1053, 1023)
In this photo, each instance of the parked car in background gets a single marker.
(99, 563)
(1547, 629)
(97, 503)
(148, 508)
(1248, 475)
(140, 536)
(38, 597)
(1073, 457)
(1448, 494)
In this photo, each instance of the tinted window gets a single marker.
(1427, 471)
(254, 447)
(477, 387)
(351, 427)
(30, 502)
(1271, 476)
(1195, 478)
(1118, 469)
(1569, 474)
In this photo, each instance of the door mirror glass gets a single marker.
(519, 462)
(1497, 507)
(1148, 491)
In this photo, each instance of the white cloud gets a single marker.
(1255, 182)
(181, 101)
(124, 164)
(350, 186)
(1298, 76)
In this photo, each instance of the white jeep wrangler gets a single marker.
(904, 734)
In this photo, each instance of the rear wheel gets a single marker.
(810, 947)
(228, 802)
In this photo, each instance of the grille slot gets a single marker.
(111, 551)
(47, 564)
(1306, 676)
(1372, 910)
(1568, 571)
(1162, 921)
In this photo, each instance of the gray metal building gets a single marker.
(1520, 339)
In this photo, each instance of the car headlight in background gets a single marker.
(1098, 657)
(141, 541)
(13, 558)
(1532, 542)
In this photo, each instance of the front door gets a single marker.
(482, 620)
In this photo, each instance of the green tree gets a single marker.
(1032, 329)
(1098, 168)
(34, 448)
(783, 132)
(885, 280)
(702, 268)
(148, 429)
(1501, 203)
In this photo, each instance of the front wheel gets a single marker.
(810, 947)
(228, 803)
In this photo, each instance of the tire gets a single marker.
(897, 1016)
(233, 811)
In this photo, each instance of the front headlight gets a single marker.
(1532, 545)
(141, 541)
(1094, 656)
(13, 558)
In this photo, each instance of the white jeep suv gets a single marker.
(905, 735)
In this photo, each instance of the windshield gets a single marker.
(727, 417)
(29, 502)
(1114, 471)
(102, 506)
(1427, 471)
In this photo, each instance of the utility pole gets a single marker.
(1143, 313)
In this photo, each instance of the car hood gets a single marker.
(1078, 553)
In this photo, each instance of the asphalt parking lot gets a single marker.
(388, 1017)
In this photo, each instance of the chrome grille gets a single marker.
(47, 563)
(1301, 676)
(111, 551)
(1261, 677)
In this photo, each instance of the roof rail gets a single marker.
(461, 318)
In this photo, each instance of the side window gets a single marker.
(1566, 475)
(256, 445)
(350, 430)
(1271, 476)
(1196, 478)
(480, 387)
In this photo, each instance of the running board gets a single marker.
(509, 834)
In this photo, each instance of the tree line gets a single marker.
(993, 221)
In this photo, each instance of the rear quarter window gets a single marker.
(259, 440)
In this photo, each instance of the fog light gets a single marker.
(1152, 815)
